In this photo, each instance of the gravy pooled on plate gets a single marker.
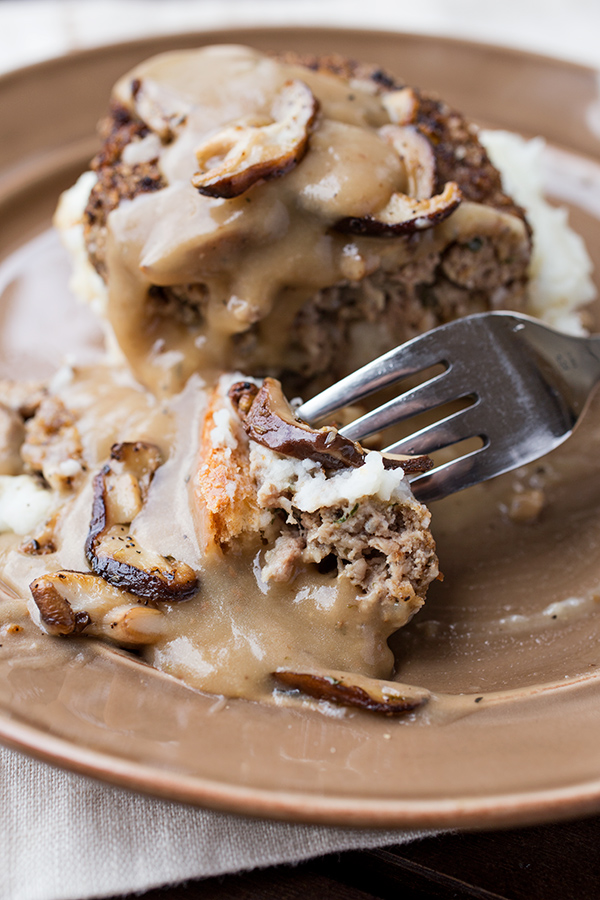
(288, 219)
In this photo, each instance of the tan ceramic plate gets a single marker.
(529, 750)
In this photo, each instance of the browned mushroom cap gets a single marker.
(401, 105)
(346, 689)
(112, 552)
(404, 214)
(248, 153)
(416, 152)
(42, 541)
(269, 420)
(139, 459)
(57, 613)
(71, 602)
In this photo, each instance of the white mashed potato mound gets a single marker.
(24, 504)
(311, 489)
(85, 281)
(560, 269)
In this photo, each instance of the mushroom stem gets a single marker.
(120, 489)
(73, 602)
(134, 625)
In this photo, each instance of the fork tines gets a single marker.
(521, 381)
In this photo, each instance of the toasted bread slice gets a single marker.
(223, 493)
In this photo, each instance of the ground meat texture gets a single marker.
(346, 325)
(117, 180)
(19, 401)
(386, 550)
(185, 302)
(24, 397)
(12, 435)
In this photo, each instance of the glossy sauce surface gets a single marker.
(258, 256)
(237, 630)
(522, 613)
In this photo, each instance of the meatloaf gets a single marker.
(290, 216)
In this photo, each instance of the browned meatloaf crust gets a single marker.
(463, 278)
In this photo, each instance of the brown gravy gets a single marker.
(489, 631)
(237, 630)
(249, 254)
(514, 618)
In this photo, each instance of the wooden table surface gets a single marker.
(549, 862)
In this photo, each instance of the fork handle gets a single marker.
(579, 363)
(575, 358)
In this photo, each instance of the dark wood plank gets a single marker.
(391, 877)
(540, 863)
(278, 883)
(550, 862)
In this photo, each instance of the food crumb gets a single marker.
(525, 507)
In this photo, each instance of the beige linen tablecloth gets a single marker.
(64, 837)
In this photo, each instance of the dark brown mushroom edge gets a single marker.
(388, 698)
(112, 551)
(249, 154)
(118, 599)
(269, 420)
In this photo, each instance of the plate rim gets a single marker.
(301, 807)
(97, 50)
(490, 811)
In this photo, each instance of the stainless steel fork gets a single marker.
(528, 384)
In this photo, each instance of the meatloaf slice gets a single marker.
(480, 261)
(320, 531)
(306, 511)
